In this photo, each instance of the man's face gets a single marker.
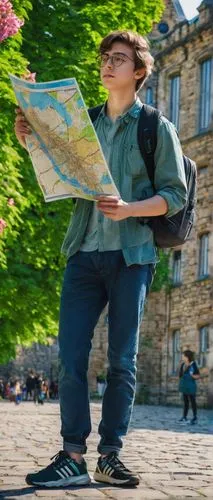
(118, 72)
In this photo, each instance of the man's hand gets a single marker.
(22, 127)
(114, 208)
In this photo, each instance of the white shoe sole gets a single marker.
(69, 481)
(103, 478)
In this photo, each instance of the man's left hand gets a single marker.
(114, 208)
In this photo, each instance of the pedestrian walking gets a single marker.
(111, 256)
(30, 385)
(189, 373)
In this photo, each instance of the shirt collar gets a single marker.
(133, 111)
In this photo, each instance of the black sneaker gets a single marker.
(183, 420)
(63, 471)
(193, 421)
(111, 470)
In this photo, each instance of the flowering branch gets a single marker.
(3, 225)
(9, 22)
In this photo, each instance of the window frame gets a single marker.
(203, 332)
(174, 94)
(203, 262)
(177, 273)
(205, 95)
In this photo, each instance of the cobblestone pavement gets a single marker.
(173, 461)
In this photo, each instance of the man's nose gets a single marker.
(110, 62)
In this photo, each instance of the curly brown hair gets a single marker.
(139, 46)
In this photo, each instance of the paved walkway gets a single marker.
(174, 462)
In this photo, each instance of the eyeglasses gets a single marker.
(115, 59)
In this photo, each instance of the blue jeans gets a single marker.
(93, 279)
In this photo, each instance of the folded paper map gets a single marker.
(64, 148)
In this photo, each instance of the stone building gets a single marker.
(181, 87)
(182, 316)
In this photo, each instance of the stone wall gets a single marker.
(41, 358)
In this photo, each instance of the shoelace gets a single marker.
(57, 455)
(116, 463)
(60, 456)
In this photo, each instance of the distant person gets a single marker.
(45, 389)
(17, 392)
(30, 385)
(38, 393)
(1, 389)
(7, 390)
(53, 389)
(12, 390)
(189, 373)
(24, 391)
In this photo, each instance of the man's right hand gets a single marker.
(22, 128)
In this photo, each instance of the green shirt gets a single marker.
(89, 229)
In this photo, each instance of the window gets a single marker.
(203, 170)
(205, 94)
(174, 100)
(203, 270)
(149, 96)
(204, 345)
(176, 275)
(176, 354)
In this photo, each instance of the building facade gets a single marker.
(182, 88)
(180, 316)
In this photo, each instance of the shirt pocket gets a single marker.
(134, 164)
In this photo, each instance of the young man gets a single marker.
(111, 257)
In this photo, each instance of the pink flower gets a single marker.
(3, 225)
(10, 202)
(9, 22)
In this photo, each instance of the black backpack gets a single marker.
(168, 231)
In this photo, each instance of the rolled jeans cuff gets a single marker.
(108, 449)
(74, 448)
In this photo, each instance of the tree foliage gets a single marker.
(71, 31)
(60, 40)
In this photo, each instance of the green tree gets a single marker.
(60, 39)
(70, 31)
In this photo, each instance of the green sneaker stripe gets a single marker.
(75, 468)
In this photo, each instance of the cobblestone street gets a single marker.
(173, 461)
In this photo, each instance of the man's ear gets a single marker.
(139, 73)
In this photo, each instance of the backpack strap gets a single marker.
(94, 112)
(147, 137)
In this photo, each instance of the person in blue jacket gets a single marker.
(189, 373)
